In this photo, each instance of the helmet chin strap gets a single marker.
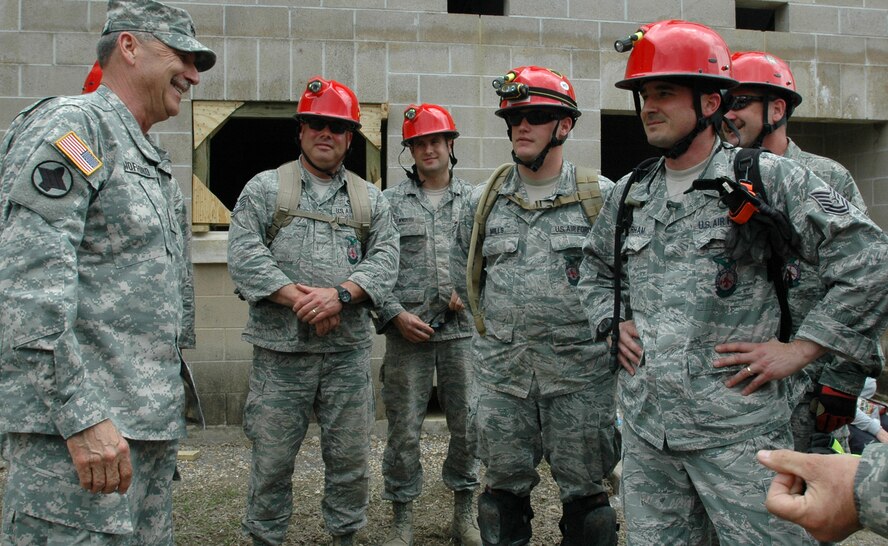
(538, 160)
(767, 127)
(413, 174)
(679, 148)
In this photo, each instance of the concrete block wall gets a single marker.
(408, 51)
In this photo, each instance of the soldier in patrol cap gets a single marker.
(311, 267)
(428, 333)
(544, 387)
(96, 289)
(701, 378)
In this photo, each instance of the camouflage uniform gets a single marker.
(689, 442)
(295, 371)
(545, 389)
(97, 297)
(870, 495)
(805, 290)
(409, 369)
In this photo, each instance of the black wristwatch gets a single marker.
(344, 295)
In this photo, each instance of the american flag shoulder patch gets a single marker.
(831, 202)
(79, 153)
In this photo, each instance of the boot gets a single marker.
(401, 533)
(464, 529)
(347, 539)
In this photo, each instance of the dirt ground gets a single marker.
(209, 501)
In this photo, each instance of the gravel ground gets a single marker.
(209, 501)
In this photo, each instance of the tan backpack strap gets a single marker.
(289, 193)
(359, 198)
(475, 258)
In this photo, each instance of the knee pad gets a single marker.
(589, 521)
(504, 518)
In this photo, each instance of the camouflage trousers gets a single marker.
(44, 503)
(285, 389)
(575, 432)
(678, 497)
(407, 376)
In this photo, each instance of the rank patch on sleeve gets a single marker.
(831, 202)
(79, 153)
(52, 179)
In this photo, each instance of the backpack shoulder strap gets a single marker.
(289, 194)
(359, 198)
(746, 168)
(475, 259)
(588, 193)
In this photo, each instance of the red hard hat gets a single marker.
(426, 119)
(678, 50)
(329, 99)
(535, 86)
(756, 68)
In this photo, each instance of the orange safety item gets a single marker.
(535, 86)
(746, 209)
(426, 119)
(678, 50)
(330, 99)
(765, 70)
(93, 79)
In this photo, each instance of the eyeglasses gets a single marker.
(533, 117)
(336, 127)
(739, 102)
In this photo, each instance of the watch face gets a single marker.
(344, 295)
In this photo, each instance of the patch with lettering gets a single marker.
(52, 179)
(717, 222)
(792, 274)
(831, 202)
(405, 220)
(141, 170)
(495, 231)
(581, 230)
(726, 277)
(572, 269)
(79, 153)
(351, 251)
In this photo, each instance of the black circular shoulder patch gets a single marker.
(52, 179)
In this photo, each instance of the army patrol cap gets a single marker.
(172, 26)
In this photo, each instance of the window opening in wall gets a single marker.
(623, 145)
(234, 141)
(760, 15)
(478, 7)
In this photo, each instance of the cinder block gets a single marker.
(653, 10)
(449, 90)
(746, 40)
(790, 47)
(713, 14)
(55, 15)
(339, 62)
(235, 347)
(840, 49)
(585, 65)
(863, 22)
(44, 81)
(813, 19)
(212, 82)
(613, 69)
(212, 280)
(370, 84)
(9, 80)
(257, 21)
(418, 5)
(537, 8)
(308, 61)
(854, 91)
(220, 312)
(322, 24)
(449, 28)
(209, 20)
(571, 34)
(234, 407)
(877, 51)
(75, 48)
(28, 48)
(828, 88)
(876, 84)
(9, 15)
(385, 26)
(418, 58)
(482, 60)
(241, 69)
(556, 59)
(274, 70)
(402, 89)
(513, 31)
(213, 406)
(210, 346)
(805, 74)
(596, 10)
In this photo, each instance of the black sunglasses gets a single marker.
(739, 102)
(336, 127)
(533, 117)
